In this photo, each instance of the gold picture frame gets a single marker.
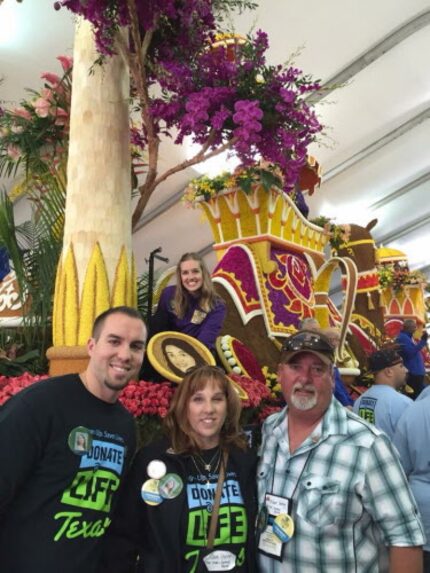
(173, 353)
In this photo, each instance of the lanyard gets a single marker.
(308, 459)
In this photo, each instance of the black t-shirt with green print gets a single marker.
(169, 537)
(62, 457)
(233, 527)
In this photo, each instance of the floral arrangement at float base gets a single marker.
(149, 402)
(398, 277)
(222, 95)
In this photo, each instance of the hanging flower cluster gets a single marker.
(37, 131)
(259, 109)
(216, 89)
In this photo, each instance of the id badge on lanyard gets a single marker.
(275, 525)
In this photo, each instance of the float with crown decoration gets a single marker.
(273, 270)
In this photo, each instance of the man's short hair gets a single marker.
(100, 320)
(308, 341)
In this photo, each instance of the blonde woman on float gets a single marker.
(191, 306)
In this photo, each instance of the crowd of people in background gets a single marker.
(335, 486)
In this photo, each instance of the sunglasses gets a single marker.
(208, 368)
(308, 340)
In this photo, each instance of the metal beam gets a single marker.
(401, 191)
(404, 230)
(159, 210)
(375, 52)
(378, 144)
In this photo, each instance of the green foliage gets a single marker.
(149, 429)
(322, 221)
(224, 7)
(34, 249)
(18, 365)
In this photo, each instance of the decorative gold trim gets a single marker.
(159, 362)
(236, 217)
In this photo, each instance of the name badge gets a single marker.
(277, 531)
(270, 544)
(198, 316)
(80, 440)
(220, 560)
(277, 504)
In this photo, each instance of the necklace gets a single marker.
(208, 465)
(205, 468)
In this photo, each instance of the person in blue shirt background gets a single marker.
(412, 438)
(410, 351)
(340, 392)
(382, 405)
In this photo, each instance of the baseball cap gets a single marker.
(384, 358)
(307, 341)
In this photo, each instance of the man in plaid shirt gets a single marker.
(333, 497)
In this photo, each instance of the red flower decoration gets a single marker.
(256, 390)
(247, 360)
(11, 386)
(147, 398)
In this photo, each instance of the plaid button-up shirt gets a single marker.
(350, 497)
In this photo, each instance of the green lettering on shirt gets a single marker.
(232, 526)
(73, 526)
(92, 490)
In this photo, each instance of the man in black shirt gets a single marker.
(65, 444)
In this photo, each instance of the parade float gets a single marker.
(275, 266)
(402, 290)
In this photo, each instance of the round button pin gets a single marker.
(170, 486)
(283, 527)
(156, 469)
(80, 440)
(150, 493)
